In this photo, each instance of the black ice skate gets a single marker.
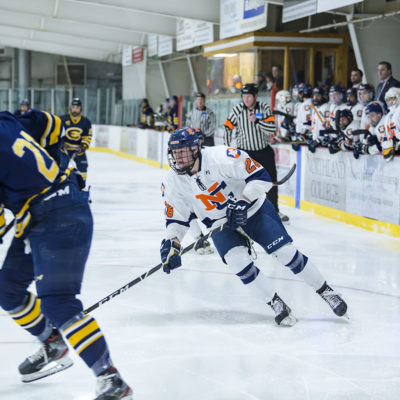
(48, 360)
(203, 247)
(338, 305)
(283, 314)
(110, 386)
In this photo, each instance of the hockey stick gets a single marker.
(151, 271)
(8, 227)
(286, 177)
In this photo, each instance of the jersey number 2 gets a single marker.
(251, 165)
(39, 153)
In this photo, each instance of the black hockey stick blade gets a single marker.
(286, 177)
(151, 271)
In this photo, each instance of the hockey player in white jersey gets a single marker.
(336, 100)
(366, 93)
(303, 117)
(353, 104)
(391, 146)
(343, 139)
(219, 184)
(371, 139)
(284, 110)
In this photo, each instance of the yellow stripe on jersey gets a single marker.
(47, 130)
(56, 132)
(2, 221)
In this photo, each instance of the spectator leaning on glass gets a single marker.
(203, 118)
(254, 124)
(356, 78)
(387, 80)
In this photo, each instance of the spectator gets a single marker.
(260, 82)
(387, 81)
(203, 118)
(356, 78)
(269, 80)
(277, 75)
(236, 84)
(25, 105)
(146, 115)
(172, 117)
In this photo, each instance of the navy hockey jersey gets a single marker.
(78, 132)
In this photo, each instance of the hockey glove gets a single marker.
(358, 148)
(312, 145)
(170, 250)
(333, 147)
(388, 149)
(236, 213)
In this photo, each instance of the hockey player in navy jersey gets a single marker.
(78, 135)
(218, 184)
(54, 223)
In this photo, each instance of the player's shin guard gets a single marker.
(300, 265)
(30, 317)
(85, 336)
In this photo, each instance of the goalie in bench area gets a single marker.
(219, 184)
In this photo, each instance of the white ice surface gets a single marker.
(198, 334)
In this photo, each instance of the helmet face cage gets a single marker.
(365, 94)
(345, 114)
(351, 97)
(374, 112)
(183, 150)
(392, 97)
(283, 97)
(336, 95)
(317, 96)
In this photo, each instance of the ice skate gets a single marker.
(48, 360)
(203, 247)
(284, 218)
(283, 314)
(110, 386)
(337, 304)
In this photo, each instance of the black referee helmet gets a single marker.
(249, 88)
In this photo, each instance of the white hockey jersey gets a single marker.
(319, 119)
(393, 123)
(225, 173)
(357, 111)
(303, 117)
(349, 138)
(288, 109)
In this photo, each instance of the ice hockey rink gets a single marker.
(197, 334)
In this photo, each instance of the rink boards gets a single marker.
(363, 192)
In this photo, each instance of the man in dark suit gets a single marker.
(387, 81)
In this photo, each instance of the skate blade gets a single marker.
(290, 320)
(346, 316)
(62, 364)
(205, 251)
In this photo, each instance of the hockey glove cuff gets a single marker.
(236, 213)
(170, 254)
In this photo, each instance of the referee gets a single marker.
(203, 118)
(254, 124)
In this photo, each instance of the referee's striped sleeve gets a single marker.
(267, 124)
(229, 126)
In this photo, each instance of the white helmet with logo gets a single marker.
(282, 98)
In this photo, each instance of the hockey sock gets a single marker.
(29, 316)
(85, 336)
(300, 265)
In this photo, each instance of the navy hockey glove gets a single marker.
(333, 147)
(170, 250)
(312, 145)
(358, 148)
(236, 213)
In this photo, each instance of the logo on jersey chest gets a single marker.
(215, 198)
(74, 133)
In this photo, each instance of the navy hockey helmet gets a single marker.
(374, 107)
(305, 89)
(351, 93)
(183, 150)
(336, 94)
(76, 102)
(366, 93)
(25, 102)
(317, 96)
(249, 88)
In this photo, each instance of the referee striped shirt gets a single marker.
(250, 135)
(204, 119)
